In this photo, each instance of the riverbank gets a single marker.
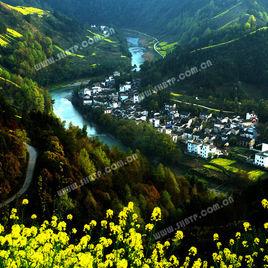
(64, 109)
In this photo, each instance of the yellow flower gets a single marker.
(166, 244)
(104, 223)
(13, 215)
(193, 251)
(122, 263)
(249, 260)
(69, 217)
(25, 202)
(265, 225)
(93, 223)
(2, 228)
(178, 236)
(74, 231)
(130, 206)
(149, 227)
(62, 226)
(255, 254)
(257, 241)
(156, 215)
(231, 242)
(264, 203)
(238, 235)
(215, 237)
(173, 259)
(134, 217)
(86, 227)
(245, 244)
(219, 244)
(34, 216)
(247, 226)
(109, 213)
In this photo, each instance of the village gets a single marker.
(206, 135)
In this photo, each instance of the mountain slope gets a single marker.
(29, 36)
(182, 20)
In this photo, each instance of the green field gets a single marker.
(175, 94)
(165, 48)
(232, 166)
(69, 53)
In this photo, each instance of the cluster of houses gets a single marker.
(105, 30)
(113, 100)
(206, 135)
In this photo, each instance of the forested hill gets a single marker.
(240, 59)
(237, 79)
(29, 36)
(179, 20)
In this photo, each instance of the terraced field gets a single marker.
(27, 10)
(229, 165)
(10, 35)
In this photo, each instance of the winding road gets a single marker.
(202, 106)
(29, 176)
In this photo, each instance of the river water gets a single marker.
(64, 109)
(136, 51)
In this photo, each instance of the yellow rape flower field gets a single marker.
(120, 241)
(26, 10)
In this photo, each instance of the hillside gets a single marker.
(33, 35)
(183, 21)
(89, 202)
(67, 156)
(235, 81)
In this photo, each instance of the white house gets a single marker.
(264, 147)
(193, 147)
(125, 88)
(251, 116)
(87, 91)
(115, 105)
(202, 150)
(261, 159)
(136, 98)
(108, 111)
(156, 123)
(96, 89)
(168, 131)
(174, 138)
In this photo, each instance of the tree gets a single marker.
(85, 163)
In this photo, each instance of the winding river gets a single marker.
(64, 109)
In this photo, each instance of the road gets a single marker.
(202, 106)
(29, 176)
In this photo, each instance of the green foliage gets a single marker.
(143, 136)
(85, 163)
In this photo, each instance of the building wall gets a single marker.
(261, 160)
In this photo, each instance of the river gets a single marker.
(137, 52)
(64, 109)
